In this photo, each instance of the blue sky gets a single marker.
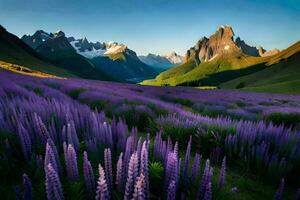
(157, 26)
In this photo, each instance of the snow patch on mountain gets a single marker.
(108, 49)
(88, 54)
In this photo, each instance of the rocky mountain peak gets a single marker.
(207, 49)
(220, 43)
(2, 29)
(174, 58)
(59, 33)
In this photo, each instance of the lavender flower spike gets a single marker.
(88, 175)
(139, 188)
(50, 158)
(222, 175)
(195, 167)
(53, 186)
(71, 162)
(27, 187)
(131, 177)
(171, 191)
(208, 193)
(102, 189)
(187, 158)
(119, 174)
(280, 190)
(108, 168)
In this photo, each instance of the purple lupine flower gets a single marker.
(139, 188)
(102, 188)
(72, 135)
(25, 141)
(50, 158)
(41, 128)
(88, 175)
(171, 195)
(127, 155)
(71, 163)
(108, 168)
(53, 186)
(187, 158)
(55, 152)
(298, 195)
(27, 187)
(139, 147)
(133, 169)
(222, 175)
(144, 167)
(17, 193)
(208, 193)
(171, 172)
(176, 148)
(204, 180)
(119, 174)
(195, 167)
(279, 193)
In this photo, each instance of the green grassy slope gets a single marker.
(15, 51)
(282, 74)
(193, 75)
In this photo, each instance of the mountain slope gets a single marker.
(59, 51)
(124, 66)
(281, 75)
(15, 51)
(115, 59)
(213, 55)
(86, 59)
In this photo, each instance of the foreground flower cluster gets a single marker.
(71, 139)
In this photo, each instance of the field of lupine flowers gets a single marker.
(82, 139)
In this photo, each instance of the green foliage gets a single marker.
(136, 116)
(240, 85)
(98, 105)
(156, 175)
(38, 91)
(179, 133)
(75, 92)
(288, 119)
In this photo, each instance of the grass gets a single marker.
(283, 77)
(24, 70)
(279, 73)
(190, 74)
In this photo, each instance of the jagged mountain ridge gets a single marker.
(59, 51)
(162, 62)
(220, 43)
(113, 59)
(212, 55)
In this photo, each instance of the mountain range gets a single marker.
(162, 62)
(213, 61)
(84, 59)
(217, 61)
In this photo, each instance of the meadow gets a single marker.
(84, 139)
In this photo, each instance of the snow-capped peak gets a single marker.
(174, 58)
(91, 50)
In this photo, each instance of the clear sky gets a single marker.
(157, 26)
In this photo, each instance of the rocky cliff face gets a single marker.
(265, 53)
(36, 39)
(220, 43)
